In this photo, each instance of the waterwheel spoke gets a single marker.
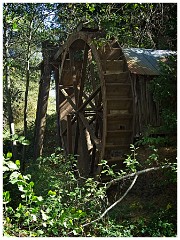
(68, 98)
(83, 158)
(82, 80)
(90, 130)
(88, 99)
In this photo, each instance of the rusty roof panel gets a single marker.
(145, 61)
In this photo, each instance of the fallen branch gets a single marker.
(136, 173)
(114, 204)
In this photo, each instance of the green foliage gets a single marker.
(60, 211)
(131, 161)
(134, 24)
(164, 88)
(158, 226)
(158, 141)
(65, 201)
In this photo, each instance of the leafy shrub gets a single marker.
(68, 202)
(59, 212)
(164, 88)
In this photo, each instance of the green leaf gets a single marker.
(31, 184)
(44, 216)
(74, 232)
(40, 198)
(5, 169)
(18, 215)
(12, 166)
(17, 163)
(40, 232)
(34, 217)
(6, 197)
(9, 155)
(21, 188)
(92, 8)
(71, 221)
(27, 177)
(51, 193)
(15, 28)
(25, 142)
(21, 138)
(55, 231)
(15, 137)
(14, 177)
(65, 224)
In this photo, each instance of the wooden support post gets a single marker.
(69, 134)
(57, 104)
(44, 87)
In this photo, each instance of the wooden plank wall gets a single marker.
(146, 111)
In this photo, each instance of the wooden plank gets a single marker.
(76, 94)
(90, 130)
(92, 76)
(62, 66)
(76, 140)
(115, 54)
(112, 66)
(83, 158)
(82, 81)
(57, 104)
(117, 77)
(123, 90)
(58, 53)
(120, 104)
(69, 134)
(69, 99)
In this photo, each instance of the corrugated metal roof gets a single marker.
(145, 61)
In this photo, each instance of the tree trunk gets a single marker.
(8, 84)
(26, 93)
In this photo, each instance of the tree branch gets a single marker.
(136, 173)
(114, 204)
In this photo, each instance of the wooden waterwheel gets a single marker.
(95, 99)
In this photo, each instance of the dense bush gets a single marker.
(164, 88)
(57, 201)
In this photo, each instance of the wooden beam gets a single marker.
(57, 104)
(68, 98)
(69, 134)
(90, 103)
(44, 87)
(58, 53)
(77, 134)
(83, 158)
(90, 130)
(89, 99)
(82, 81)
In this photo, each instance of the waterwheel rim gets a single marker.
(107, 136)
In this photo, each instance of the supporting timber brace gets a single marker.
(44, 87)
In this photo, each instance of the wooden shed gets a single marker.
(144, 66)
